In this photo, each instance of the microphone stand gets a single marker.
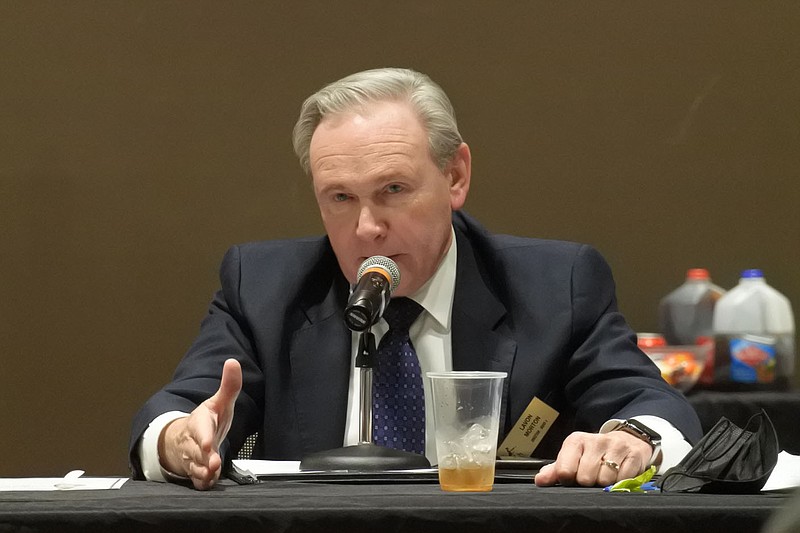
(365, 361)
(364, 456)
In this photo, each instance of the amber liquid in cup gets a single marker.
(469, 479)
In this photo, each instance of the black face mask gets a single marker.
(727, 460)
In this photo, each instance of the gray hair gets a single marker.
(386, 84)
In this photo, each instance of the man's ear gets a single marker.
(459, 173)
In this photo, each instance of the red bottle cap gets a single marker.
(697, 273)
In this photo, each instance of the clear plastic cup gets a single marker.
(466, 414)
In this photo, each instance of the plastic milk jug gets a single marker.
(687, 313)
(754, 335)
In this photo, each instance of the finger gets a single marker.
(202, 484)
(206, 470)
(205, 473)
(592, 471)
(203, 479)
(223, 402)
(608, 472)
(566, 467)
(230, 385)
(630, 467)
(546, 477)
(198, 472)
(215, 423)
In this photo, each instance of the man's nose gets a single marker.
(370, 224)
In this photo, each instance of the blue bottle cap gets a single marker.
(752, 273)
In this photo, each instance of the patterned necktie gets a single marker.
(398, 399)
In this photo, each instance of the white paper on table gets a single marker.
(786, 474)
(255, 467)
(59, 483)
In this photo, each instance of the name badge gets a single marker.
(529, 430)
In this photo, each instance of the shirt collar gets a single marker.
(436, 296)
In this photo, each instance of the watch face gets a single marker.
(644, 430)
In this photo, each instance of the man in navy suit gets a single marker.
(390, 174)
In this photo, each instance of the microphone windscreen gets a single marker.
(386, 265)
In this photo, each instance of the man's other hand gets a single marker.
(189, 446)
(588, 459)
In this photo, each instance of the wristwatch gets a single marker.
(639, 430)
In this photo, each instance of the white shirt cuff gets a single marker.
(673, 444)
(148, 448)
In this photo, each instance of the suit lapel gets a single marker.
(481, 338)
(320, 362)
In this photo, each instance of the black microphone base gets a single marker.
(364, 458)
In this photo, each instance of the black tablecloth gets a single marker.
(782, 407)
(294, 506)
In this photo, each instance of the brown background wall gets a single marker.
(139, 139)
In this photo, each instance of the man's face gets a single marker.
(380, 192)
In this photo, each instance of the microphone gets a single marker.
(377, 277)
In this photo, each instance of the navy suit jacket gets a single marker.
(543, 311)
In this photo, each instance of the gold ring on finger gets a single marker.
(610, 464)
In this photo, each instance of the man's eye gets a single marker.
(339, 197)
(394, 188)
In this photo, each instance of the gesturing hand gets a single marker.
(189, 446)
(588, 459)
